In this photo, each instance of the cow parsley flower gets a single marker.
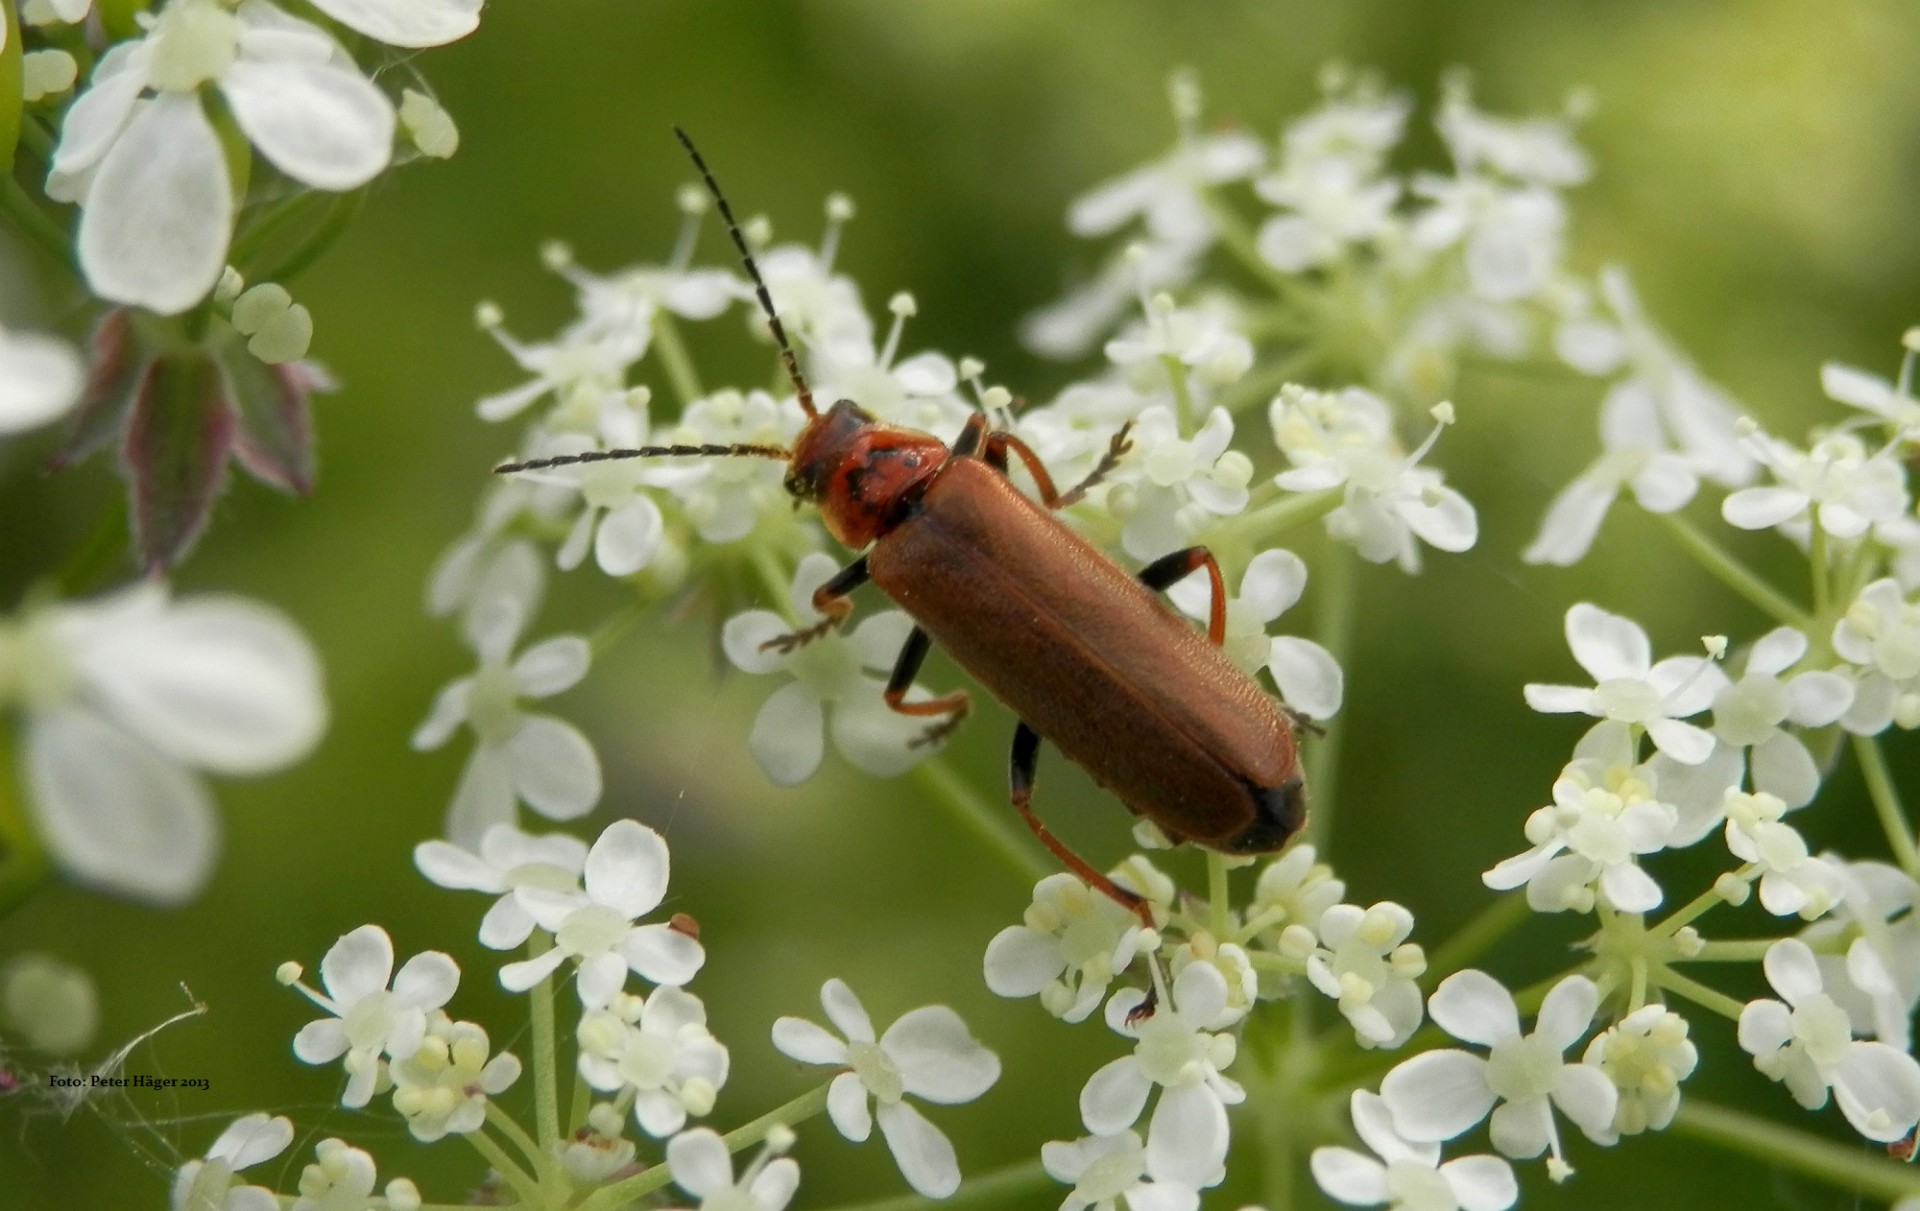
(1837, 481)
(442, 1088)
(508, 859)
(40, 380)
(788, 736)
(920, 392)
(1408, 1176)
(1791, 879)
(1175, 484)
(1808, 1042)
(1751, 713)
(1880, 634)
(1107, 1171)
(342, 1178)
(625, 877)
(1630, 687)
(726, 498)
(1307, 675)
(517, 756)
(927, 1053)
(1634, 454)
(1328, 183)
(1439, 1094)
(658, 1051)
(125, 696)
(1891, 402)
(1869, 951)
(1175, 1051)
(370, 1020)
(210, 1184)
(702, 1167)
(1069, 947)
(1365, 963)
(584, 370)
(1646, 1055)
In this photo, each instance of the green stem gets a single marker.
(987, 822)
(1686, 915)
(521, 1181)
(1297, 509)
(1473, 939)
(640, 1185)
(995, 1189)
(1886, 804)
(1741, 951)
(339, 216)
(23, 859)
(1333, 625)
(1818, 563)
(1219, 908)
(1182, 394)
(37, 224)
(673, 352)
(546, 1089)
(1239, 240)
(516, 1134)
(1771, 1143)
(274, 218)
(1734, 574)
(1701, 995)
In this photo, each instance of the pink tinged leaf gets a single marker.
(114, 370)
(938, 1059)
(924, 1154)
(176, 448)
(157, 217)
(275, 438)
(115, 813)
(1437, 1095)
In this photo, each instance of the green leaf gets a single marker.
(181, 432)
(10, 100)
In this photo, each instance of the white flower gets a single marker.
(1881, 633)
(726, 498)
(1791, 880)
(1535, 150)
(788, 734)
(409, 23)
(1606, 813)
(1308, 676)
(1346, 438)
(1109, 1170)
(210, 1184)
(40, 380)
(658, 1047)
(1634, 454)
(369, 1019)
(1408, 1176)
(1073, 432)
(125, 696)
(598, 1152)
(1750, 713)
(927, 1053)
(1438, 1095)
(1072, 943)
(1877, 978)
(820, 309)
(1073, 324)
(508, 859)
(1631, 688)
(1175, 484)
(1329, 181)
(341, 1178)
(1891, 402)
(1366, 964)
(1174, 1050)
(1168, 195)
(1646, 1055)
(625, 878)
(584, 370)
(623, 305)
(1808, 1043)
(619, 519)
(1510, 238)
(1837, 481)
(516, 756)
(442, 1088)
(919, 392)
(47, 1004)
(139, 153)
(702, 1167)
(1202, 339)
(1294, 889)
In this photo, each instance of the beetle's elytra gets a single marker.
(1084, 653)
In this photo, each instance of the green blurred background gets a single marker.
(1757, 170)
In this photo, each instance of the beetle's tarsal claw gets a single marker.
(1145, 1009)
(792, 640)
(936, 732)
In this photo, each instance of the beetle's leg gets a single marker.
(954, 706)
(999, 444)
(971, 437)
(829, 599)
(1021, 766)
(1169, 569)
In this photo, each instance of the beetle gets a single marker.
(1085, 654)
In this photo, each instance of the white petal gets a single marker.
(1782, 766)
(700, 1162)
(552, 665)
(1448, 523)
(1114, 1096)
(1021, 961)
(1589, 1098)
(743, 637)
(1573, 519)
(506, 925)
(1310, 679)
(100, 113)
(1818, 698)
(1567, 1012)
(1522, 1129)
(154, 228)
(925, 1156)
(1875, 1077)
(926, 374)
(1345, 1175)
(600, 978)
(426, 981)
(321, 123)
(117, 814)
(40, 379)
(1187, 1139)
(553, 767)
(628, 537)
(1760, 508)
(773, 1189)
(1437, 1095)
(412, 23)
(1607, 645)
(628, 868)
(663, 954)
(1846, 385)
(518, 977)
(938, 1059)
(1667, 484)
(220, 683)
(483, 799)
(1481, 1183)
(804, 1041)
(1776, 651)
(847, 1107)
(874, 737)
(1765, 1027)
(845, 1011)
(880, 638)
(252, 1139)
(449, 711)
(321, 1042)
(1630, 889)
(1560, 699)
(1683, 742)
(1474, 1007)
(789, 734)
(1791, 970)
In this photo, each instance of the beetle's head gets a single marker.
(827, 444)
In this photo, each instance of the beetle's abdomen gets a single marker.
(1094, 662)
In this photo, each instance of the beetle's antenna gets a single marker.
(600, 456)
(753, 271)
